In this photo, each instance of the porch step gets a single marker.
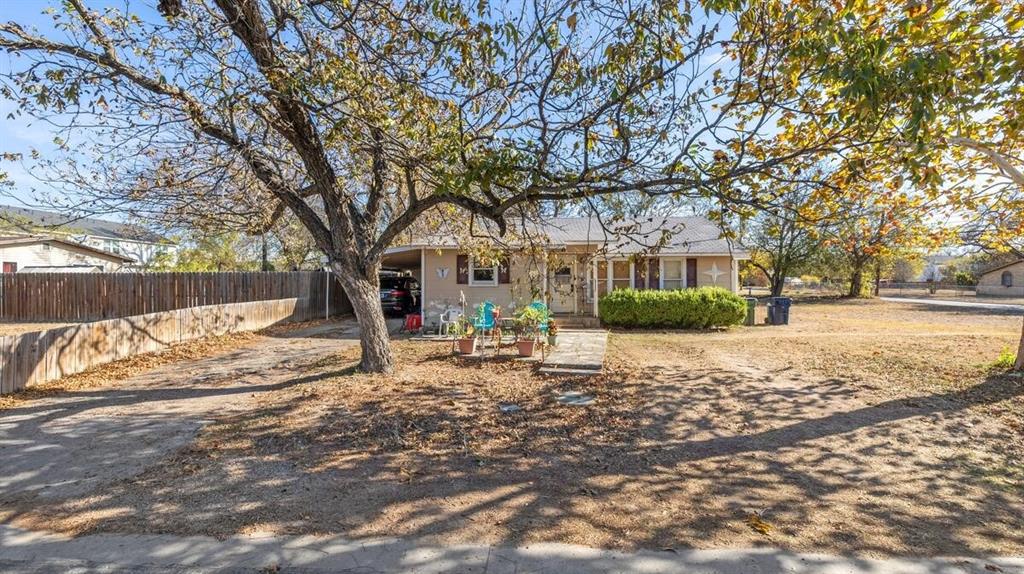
(579, 321)
(572, 365)
(559, 371)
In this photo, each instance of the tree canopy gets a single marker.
(362, 117)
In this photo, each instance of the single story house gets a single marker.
(569, 263)
(41, 254)
(1003, 281)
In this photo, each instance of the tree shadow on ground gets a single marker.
(666, 457)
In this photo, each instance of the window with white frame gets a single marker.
(482, 276)
(620, 275)
(674, 274)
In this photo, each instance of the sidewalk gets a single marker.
(579, 352)
(23, 552)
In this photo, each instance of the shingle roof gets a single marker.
(29, 220)
(677, 235)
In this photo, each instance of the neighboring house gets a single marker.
(133, 242)
(26, 254)
(1003, 281)
(935, 267)
(572, 264)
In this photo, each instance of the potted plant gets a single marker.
(552, 333)
(528, 320)
(462, 331)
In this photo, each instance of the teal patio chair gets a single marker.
(484, 323)
(540, 306)
(484, 319)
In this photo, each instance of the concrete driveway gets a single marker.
(74, 443)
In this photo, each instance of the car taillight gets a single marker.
(397, 293)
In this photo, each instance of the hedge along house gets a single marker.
(569, 264)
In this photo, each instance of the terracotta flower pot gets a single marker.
(525, 348)
(467, 345)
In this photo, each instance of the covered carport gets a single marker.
(406, 261)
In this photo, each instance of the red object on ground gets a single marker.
(413, 322)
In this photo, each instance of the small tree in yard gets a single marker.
(788, 233)
(949, 75)
(360, 117)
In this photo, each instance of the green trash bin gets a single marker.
(751, 310)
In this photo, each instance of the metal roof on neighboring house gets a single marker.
(1003, 266)
(677, 235)
(16, 240)
(29, 220)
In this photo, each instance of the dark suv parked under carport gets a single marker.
(399, 295)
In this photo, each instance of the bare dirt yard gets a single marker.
(865, 427)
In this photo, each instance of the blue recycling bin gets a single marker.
(779, 310)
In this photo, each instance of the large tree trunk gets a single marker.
(1018, 365)
(777, 282)
(857, 281)
(363, 291)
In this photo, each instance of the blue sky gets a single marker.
(22, 134)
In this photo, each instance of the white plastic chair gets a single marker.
(448, 318)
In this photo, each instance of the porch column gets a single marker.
(423, 287)
(544, 280)
(595, 289)
(575, 286)
(734, 276)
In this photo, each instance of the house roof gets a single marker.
(28, 220)
(15, 241)
(693, 235)
(1003, 266)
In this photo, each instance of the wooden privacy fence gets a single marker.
(75, 297)
(41, 356)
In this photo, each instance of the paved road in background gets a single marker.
(947, 303)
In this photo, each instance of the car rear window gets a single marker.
(393, 282)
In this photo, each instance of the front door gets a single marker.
(562, 285)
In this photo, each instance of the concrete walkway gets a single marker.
(22, 551)
(948, 303)
(579, 352)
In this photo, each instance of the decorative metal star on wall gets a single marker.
(714, 273)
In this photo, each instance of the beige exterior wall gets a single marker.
(527, 282)
(440, 293)
(991, 284)
(55, 256)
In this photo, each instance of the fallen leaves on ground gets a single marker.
(759, 525)
(125, 368)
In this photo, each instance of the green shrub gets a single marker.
(1006, 360)
(966, 279)
(678, 309)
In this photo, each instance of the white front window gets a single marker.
(673, 275)
(482, 276)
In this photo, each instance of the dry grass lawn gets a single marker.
(864, 428)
